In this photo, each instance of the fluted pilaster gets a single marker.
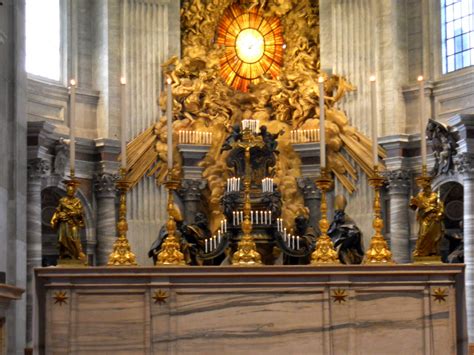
(150, 27)
(191, 193)
(398, 192)
(104, 187)
(37, 169)
(312, 199)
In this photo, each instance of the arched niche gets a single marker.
(451, 192)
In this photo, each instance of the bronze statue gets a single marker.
(430, 214)
(346, 236)
(69, 219)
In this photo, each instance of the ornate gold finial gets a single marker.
(122, 253)
(246, 253)
(324, 252)
(378, 252)
(170, 253)
(430, 215)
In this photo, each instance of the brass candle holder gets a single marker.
(122, 253)
(170, 253)
(378, 252)
(246, 253)
(324, 252)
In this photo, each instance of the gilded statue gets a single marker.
(69, 219)
(429, 215)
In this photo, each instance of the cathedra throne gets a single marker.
(252, 204)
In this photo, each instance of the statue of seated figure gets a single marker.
(345, 235)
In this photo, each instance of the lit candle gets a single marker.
(72, 132)
(205, 245)
(421, 82)
(123, 117)
(322, 124)
(297, 242)
(225, 225)
(233, 218)
(169, 113)
(373, 97)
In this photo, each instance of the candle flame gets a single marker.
(168, 81)
(420, 78)
(72, 82)
(321, 79)
(372, 78)
(123, 81)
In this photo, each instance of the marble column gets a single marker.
(191, 193)
(398, 192)
(312, 199)
(104, 187)
(465, 165)
(37, 168)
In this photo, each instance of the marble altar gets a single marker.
(389, 309)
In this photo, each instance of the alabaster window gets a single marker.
(457, 34)
(43, 39)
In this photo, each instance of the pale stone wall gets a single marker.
(13, 165)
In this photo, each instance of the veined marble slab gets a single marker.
(259, 310)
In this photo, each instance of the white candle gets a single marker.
(169, 114)
(225, 225)
(421, 82)
(205, 245)
(322, 124)
(233, 218)
(251, 217)
(373, 97)
(72, 128)
(123, 117)
(241, 216)
(222, 226)
(270, 214)
(297, 242)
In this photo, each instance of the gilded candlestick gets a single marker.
(122, 253)
(324, 252)
(170, 253)
(378, 252)
(247, 254)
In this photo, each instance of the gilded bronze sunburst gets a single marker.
(253, 46)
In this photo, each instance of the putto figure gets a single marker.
(429, 214)
(69, 219)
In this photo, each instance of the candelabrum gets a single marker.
(378, 252)
(122, 254)
(246, 253)
(324, 252)
(170, 253)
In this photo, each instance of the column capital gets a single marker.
(104, 183)
(38, 167)
(465, 163)
(308, 187)
(191, 189)
(398, 180)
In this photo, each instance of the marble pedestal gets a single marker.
(258, 310)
